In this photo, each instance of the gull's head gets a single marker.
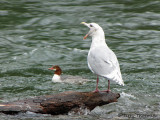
(95, 30)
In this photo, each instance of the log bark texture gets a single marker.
(61, 103)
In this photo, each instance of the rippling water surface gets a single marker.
(36, 34)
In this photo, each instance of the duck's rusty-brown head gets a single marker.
(57, 69)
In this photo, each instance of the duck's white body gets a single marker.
(56, 78)
(68, 79)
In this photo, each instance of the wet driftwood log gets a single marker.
(61, 103)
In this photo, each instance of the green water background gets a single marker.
(36, 34)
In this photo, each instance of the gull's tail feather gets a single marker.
(116, 77)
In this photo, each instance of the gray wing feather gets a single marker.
(102, 61)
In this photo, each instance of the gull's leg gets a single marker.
(97, 90)
(108, 90)
(108, 86)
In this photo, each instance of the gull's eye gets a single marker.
(91, 25)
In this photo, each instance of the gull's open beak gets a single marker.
(86, 24)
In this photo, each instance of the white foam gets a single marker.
(33, 51)
(98, 110)
(123, 94)
(81, 111)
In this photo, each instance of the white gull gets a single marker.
(101, 59)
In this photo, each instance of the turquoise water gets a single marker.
(36, 34)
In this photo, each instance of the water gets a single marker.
(36, 34)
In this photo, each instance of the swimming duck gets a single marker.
(65, 79)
